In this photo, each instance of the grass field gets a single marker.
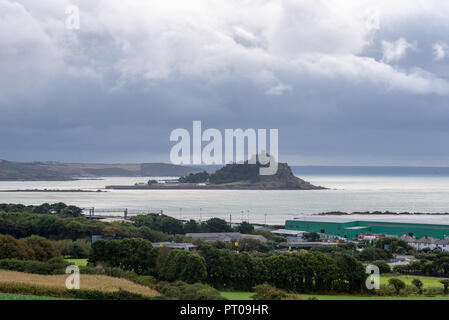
(427, 281)
(9, 296)
(247, 296)
(77, 262)
(87, 281)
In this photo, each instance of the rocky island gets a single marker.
(243, 176)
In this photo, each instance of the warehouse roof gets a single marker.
(411, 219)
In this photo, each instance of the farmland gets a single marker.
(88, 282)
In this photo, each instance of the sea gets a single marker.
(346, 192)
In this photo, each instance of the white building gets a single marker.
(429, 243)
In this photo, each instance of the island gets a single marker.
(243, 176)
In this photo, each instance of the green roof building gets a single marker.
(352, 228)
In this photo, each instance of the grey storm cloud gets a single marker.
(344, 82)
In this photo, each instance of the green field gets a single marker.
(77, 262)
(247, 296)
(427, 281)
(9, 296)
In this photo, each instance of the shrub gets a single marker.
(397, 284)
(433, 291)
(54, 266)
(418, 284)
(27, 289)
(445, 283)
(184, 291)
(267, 292)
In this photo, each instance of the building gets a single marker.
(427, 243)
(225, 236)
(307, 245)
(351, 228)
(175, 245)
(290, 235)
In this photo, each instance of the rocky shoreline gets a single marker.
(192, 186)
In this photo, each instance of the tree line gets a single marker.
(225, 269)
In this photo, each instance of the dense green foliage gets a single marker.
(60, 209)
(29, 289)
(393, 245)
(434, 264)
(199, 177)
(398, 284)
(245, 228)
(77, 249)
(373, 254)
(185, 266)
(53, 266)
(129, 254)
(31, 248)
(184, 291)
(40, 248)
(267, 292)
(236, 172)
(297, 272)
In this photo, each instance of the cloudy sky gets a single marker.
(345, 82)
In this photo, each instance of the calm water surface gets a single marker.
(348, 193)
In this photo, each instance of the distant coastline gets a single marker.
(51, 190)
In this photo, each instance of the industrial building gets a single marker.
(351, 228)
(224, 236)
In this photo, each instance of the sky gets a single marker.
(344, 82)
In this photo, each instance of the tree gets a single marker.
(199, 177)
(245, 228)
(130, 254)
(41, 248)
(191, 227)
(383, 266)
(11, 248)
(418, 284)
(220, 266)
(138, 255)
(352, 271)
(398, 284)
(372, 254)
(326, 271)
(249, 245)
(216, 225)
(445, 283)
(185, 266)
